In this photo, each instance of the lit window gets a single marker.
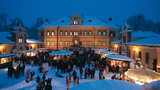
(75, 33)
(20, 40)
(71, 33)
(90, 33)
(48, 33)
(61, 33)
(75, 22)
(66, 43)
(85, 33)
(52, 33)
(66, 33)
(99, 33)
(104, 33)
(48, 43)
(60, 43)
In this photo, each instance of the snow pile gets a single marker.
(152, 86)
(4, 37)
(107, 85)
(119, 57)
(33, 41)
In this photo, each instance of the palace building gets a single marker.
(77, 31)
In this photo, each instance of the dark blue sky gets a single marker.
(119, 10)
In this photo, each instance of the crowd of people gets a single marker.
(16, 72)
(77, 66)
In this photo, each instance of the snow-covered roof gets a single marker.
(25, 51)
(98, 49)
(116, 42)
(107, 85)
(153, 41)
(86, 21)
(61, 53)
(141, 34)
(108, 52)
(119, 57)
(33, 41)
(7, 55)
(4, 37)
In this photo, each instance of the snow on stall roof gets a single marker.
(108, 52)
(98, 49)
(63, 52)
(29, 51)
(153, 41)
(145, 34)
(6, 55)
(107, 85)
(119, 57)
(4, 37)
(86, 21)
(33, 41)
(116, 42)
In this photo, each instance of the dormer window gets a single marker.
(75, 22)
(75, 19)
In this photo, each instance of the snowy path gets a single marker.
(57, 83)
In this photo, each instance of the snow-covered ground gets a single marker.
(57, 83)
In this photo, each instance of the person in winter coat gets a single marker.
(100, 75)
(38, 79)
(32, 74)
(44, 77)
(81, 72)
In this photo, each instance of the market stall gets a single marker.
(57, 55)
(142, 76)
(118, 60)
(5, 59)
(30, 53)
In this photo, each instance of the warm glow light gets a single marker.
(33, 46)
(136, 49)
(1, 47)
(115, 46)
(3, 60)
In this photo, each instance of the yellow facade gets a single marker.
(65, 37)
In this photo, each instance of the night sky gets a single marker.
(119, 10)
